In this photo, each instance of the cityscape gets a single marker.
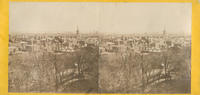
(97, 63)
(93, 47)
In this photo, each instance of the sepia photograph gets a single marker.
(99, 47)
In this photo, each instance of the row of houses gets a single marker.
(144, 43)
(111, 43)
(49, 43)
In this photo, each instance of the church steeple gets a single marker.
(77, 31)
(164, 31)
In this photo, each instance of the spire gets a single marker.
(77, 31)
(164, 31)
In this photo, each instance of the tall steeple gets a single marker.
(77, 31)
(164, 31)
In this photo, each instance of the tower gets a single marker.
(77, 31)
(78, 36)
(164, 32)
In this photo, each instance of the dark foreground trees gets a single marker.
(85, 71)
(86, 65)
(132, 72)
(75, 72)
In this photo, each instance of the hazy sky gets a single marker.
(103, 17)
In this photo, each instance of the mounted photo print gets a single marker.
(99, 47)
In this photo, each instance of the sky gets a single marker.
(118, 17)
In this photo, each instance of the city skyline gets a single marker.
(123, 18)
